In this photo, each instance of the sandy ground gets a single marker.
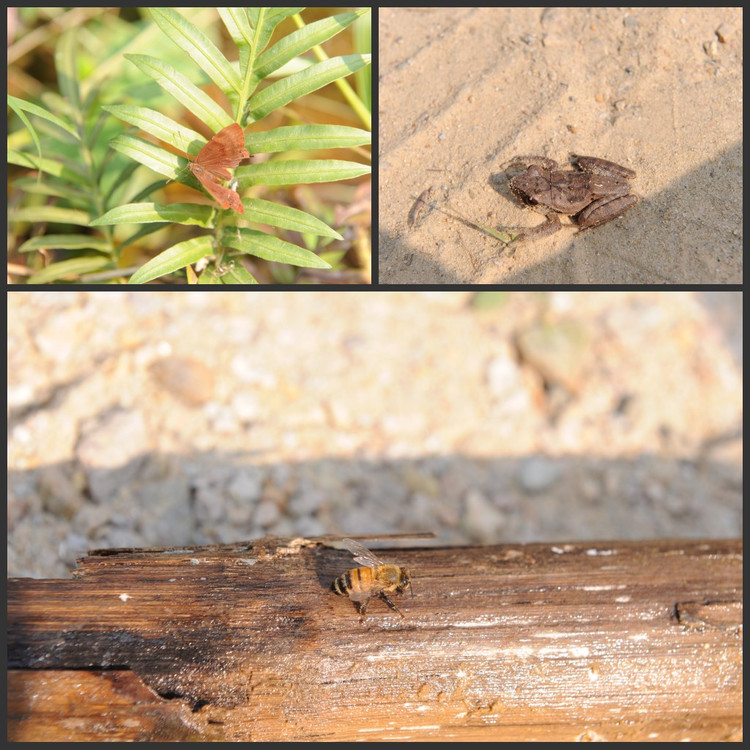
(658, 90)
(157, 419)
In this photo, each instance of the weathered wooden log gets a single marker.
(619, 640)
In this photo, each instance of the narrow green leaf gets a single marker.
(199, 47)
(362, 30)
(150, 155)
(274, 16)
(237, 274)
(184, 91)
(74, 267)
(51, 214)
(66, 242)
(296, 171)
(66, 55)
(288, 89)
(32, 131)
(307, 137)
(262, 31)
(238, 26)
(154, 123)
(300, 41)
(272, 248)
(52, 167)
(53, 188)
(209, 276)
(173, 259)
(265, 20)
(147, 213)
(276, 215)
(19, 105)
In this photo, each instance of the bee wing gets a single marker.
(362, 555)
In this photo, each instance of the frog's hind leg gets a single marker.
(604, 210)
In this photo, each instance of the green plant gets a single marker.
(88, 172)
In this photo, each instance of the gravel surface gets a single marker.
(155, 419)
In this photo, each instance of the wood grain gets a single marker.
(618, 640)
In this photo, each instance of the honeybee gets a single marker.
(377, 579)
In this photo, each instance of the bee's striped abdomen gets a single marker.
(343, 584)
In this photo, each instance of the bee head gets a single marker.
(404, 581)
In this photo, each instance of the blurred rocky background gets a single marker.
(157, 419)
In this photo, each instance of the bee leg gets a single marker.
(362, 608)
(390, 603)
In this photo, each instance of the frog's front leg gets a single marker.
(530, 161)
(549, 227)
(604, 210)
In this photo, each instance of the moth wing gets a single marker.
(225, 197)
(224, 151)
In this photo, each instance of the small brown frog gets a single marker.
(593, 196)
